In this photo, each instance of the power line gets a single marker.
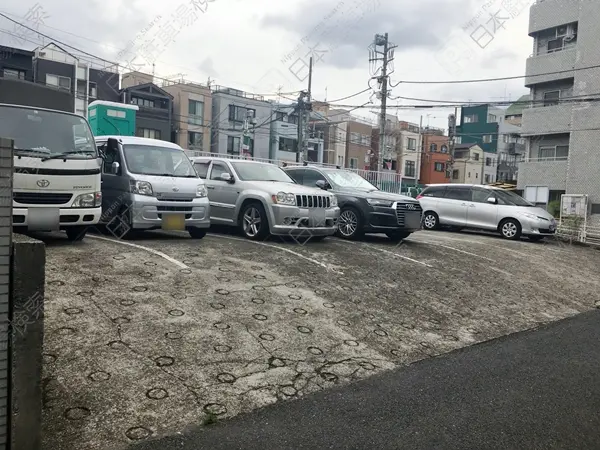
(350, 96)
(485, 80)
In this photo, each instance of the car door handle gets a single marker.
(210, 187)
(472, 205)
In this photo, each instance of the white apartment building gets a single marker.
(561, 128)
(409, 151)
(284, 136)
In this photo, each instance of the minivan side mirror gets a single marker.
(114, 168)
(226, 177)
(492, 200)
(322, 184)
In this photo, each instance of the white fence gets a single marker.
(387, 181)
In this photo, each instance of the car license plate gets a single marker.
(173, 222)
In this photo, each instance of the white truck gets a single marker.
(56, 184)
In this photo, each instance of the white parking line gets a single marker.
(264, 244)
(435, 244)
(479, 243)
(384, 251)
(141, 247)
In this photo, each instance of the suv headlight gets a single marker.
(334, 202)
(201, 191)
(141, 188)
(91, 200)
(378, 202)
(284, 198)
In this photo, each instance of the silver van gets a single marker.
(460, 206)
(150, 184)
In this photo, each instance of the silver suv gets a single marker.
(483, 207)
(260, 198)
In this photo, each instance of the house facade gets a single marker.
(468, 166)
(230, 108)
(192, 109)
(435, 157)
(409, 152)
(562, 135)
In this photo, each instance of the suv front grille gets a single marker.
(408, 209)
(41, 198)
(313, 201)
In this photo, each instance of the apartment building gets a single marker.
(284, 135)
(409, 152)
(562, 136)
(85, 79)
(435, 157)
(468, 164)
(192, 109)
(17, 83)
(230, 108)
(154, 117)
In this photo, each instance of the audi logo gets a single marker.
(410, 206)
(43, 183)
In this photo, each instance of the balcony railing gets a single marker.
(546, 159)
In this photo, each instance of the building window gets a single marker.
(233, 145)
(537, 194)
(14, 73)
(287, 144)
(409, 169)
(439, 167)
(239, 113)
(433, 148)
(458, 140)
(195, 112)
(492, 118)
(354, 163)
(81, 73)
(280, 116)
(115, 113)
(487, 138)
(475, 156)
(340, 161)
(147, 132)
(487, 178)
(554, 153)
(354, 138)
(142, 102)
(93, 91)
(476, 175)
(444, 149)
(551, 98)
(412, 144)
(63, 83)
(471, 119)
(455, 174)
(488, 161)
(195, 140)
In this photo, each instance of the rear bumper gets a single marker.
(53, 219)
(294, 220)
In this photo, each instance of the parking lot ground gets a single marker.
(149, 337)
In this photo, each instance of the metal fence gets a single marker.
(387, 181)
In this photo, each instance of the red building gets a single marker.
(434, 159)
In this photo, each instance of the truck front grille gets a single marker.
(313, 201)
(403, 210)
(41, 198)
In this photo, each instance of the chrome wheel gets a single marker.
(348, 223)
(430, 221)
(252, 222)
(509, 230)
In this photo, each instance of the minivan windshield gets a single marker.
(38, 133)
(512, 199)
(251, 171)
(347, 179)
(157, 160)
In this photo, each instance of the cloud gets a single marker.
(348, 32)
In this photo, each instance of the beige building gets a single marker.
(192, 111)
(468, 164)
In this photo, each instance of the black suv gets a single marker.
(363, 207)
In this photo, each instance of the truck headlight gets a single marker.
(91, 200)
(201, 191)
(141, 187)
(284, 198)
(334, 202)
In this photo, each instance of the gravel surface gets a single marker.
(148, 337)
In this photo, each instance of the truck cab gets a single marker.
(57, 170)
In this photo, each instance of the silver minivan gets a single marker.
(150, 184)
(461, 206)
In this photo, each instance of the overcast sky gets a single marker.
(244, 44)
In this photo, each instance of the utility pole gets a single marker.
(419, 153)
(245, 141)
(304, 107)
(386, 58)
(451, 140)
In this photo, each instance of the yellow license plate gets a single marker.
(173, 222)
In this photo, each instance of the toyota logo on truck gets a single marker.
(43, 183)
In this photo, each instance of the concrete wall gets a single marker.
(28, 279)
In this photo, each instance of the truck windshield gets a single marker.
(47, 134)
(157, 160)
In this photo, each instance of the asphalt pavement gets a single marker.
(538, 389)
